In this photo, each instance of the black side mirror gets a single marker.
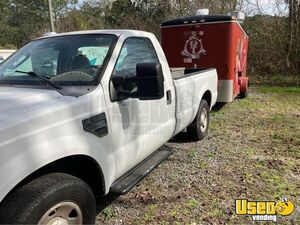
(150, 81)
(123, 87)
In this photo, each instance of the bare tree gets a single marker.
(292, 56)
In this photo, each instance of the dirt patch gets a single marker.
(251, 152)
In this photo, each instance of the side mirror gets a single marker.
(150, 81)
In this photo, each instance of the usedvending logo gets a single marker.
(264, 210)
(193, 47)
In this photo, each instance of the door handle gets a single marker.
(169, 97)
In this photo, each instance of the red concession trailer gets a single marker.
(213, 41)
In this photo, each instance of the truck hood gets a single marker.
(19, 106)
(18, 101)
(25, 112)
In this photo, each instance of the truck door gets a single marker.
(139, 127)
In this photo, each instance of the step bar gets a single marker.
(124, 184)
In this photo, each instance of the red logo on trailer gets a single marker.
(193, 48)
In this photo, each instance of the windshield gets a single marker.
(65, 60)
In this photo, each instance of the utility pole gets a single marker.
(51, 16)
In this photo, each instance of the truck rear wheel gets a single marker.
(199, 128)
(55, 198)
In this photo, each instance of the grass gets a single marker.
(277, 80)
(252, 151)
(279, 90)
(108, 213)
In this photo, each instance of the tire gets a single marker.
(50, 198)
(199, 128)
(244, 94)
(244, 89)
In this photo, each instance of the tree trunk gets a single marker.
(297, 32)
(291, 29)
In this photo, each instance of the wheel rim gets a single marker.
(63, 213)
(203, 120)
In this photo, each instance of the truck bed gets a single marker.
(190, 87)
(181, 72)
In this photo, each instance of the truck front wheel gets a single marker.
(199, 128)
(55, 198)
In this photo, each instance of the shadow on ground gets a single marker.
(218, 106)
(182, 137)
(105, 201)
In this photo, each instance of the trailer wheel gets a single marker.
(199, 128)
(244, 94)
(56, 198)
(244, 86)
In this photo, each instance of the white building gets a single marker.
(5, 53)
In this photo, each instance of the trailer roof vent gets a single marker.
(240, 16)
(202, 12)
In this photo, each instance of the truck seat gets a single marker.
(80, 61)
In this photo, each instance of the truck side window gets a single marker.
(135, 50)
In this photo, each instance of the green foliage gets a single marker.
(23, 20)
(141, 15)
(26, 19)
(268, 44)
(89, 16)
(121, 9)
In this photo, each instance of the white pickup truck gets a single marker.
(87, 113)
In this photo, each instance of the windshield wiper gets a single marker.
(31, 73)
